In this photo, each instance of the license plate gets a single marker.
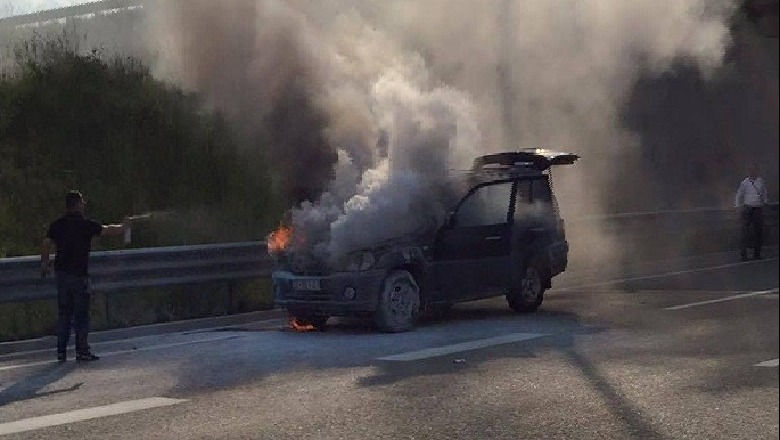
(311, 284)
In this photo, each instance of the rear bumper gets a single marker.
(330, 299)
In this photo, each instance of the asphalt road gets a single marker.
(682, 349)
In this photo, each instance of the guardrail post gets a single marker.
(230, 287)
(108, 310)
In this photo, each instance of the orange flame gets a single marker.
(300, 325)
(280, 239)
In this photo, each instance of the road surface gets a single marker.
(684, 349)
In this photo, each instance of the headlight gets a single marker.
(349, 293)
(360, 261)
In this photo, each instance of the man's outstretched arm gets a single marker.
(115, 230)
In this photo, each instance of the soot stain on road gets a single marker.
(206, 371)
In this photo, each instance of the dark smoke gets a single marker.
(253, 65)
(699, 135)
(665, 100)
(409, 89)
(348, 95)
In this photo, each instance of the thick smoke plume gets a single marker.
(365, 105)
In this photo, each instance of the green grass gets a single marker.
(149, 306)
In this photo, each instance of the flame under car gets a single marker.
(503, 236)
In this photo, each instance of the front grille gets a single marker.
(302, 265)
(310, 296)
(310, 273)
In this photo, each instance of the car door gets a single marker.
(535, 222)
(473, 250)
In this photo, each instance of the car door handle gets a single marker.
(493, 238)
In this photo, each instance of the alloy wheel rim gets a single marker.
(401, 300)
(531, 285)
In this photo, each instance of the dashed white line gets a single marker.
(17, 354)
(770, 363)
(664, 275)
(728, 298)
(80, 415)
(463, 346)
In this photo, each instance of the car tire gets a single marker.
(528, 294)
(399, 303)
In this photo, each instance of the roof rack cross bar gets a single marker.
(536, 158)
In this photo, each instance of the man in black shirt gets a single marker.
(72, 235)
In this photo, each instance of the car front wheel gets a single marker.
(528, 294)
(399, 303)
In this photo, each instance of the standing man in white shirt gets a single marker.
(751, 198)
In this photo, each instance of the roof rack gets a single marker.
(529, 159)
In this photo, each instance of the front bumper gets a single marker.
(330, 299)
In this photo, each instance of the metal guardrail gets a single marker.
(660, 234)
(693, 219)
(115, 271)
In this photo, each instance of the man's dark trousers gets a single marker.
(752, 218)
(73, 302)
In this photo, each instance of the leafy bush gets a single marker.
(129, 142)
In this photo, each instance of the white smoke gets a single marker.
(438, 82)
(431, 131)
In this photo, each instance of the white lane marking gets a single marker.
(768, 295)
(18, 354)
(665, 274)
(118, 352)
(80, 415)
(728, 298)
(770, 363)
(463, 346)
(27, 365)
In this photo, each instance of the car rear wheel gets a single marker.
(528, 294)
(399, 303)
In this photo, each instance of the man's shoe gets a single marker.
(758, 257)
(743, 257)
(61, 356)
(86, 357)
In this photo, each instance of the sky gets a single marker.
(16, 7)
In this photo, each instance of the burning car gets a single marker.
(503, 236)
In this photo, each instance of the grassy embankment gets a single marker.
(131, 144)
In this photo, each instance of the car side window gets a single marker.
(536, 206)
(523, 198)
(488, 205)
